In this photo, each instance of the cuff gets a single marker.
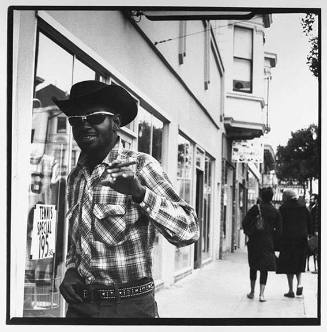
(70, 266)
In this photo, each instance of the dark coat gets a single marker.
(315, 217)
(296, 227)
(261, 254)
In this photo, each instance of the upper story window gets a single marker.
(243, 59)
(61, 124)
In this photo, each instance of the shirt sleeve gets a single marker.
(171, 215)
(70, 257)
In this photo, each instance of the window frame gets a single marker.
(250, 61)
(151, 132)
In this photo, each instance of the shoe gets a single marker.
(289, 294)
(299, 291)
(250, 296)
(262, 299)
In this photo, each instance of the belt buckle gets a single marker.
(85, 295)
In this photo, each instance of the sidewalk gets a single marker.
(219, 290)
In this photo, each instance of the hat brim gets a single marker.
(113, 96)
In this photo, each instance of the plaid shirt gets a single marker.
(110, 235)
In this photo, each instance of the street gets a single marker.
(219, 289)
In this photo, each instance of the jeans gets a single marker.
(143, 306)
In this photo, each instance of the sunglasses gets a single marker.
(93, 118)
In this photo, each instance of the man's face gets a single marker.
(92, 138)
(312, 199)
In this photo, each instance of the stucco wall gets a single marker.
(115, 40)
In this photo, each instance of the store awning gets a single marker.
(180, 15)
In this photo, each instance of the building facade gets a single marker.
(192, 105)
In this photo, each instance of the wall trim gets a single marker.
(246, 97)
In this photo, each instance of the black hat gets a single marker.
(95, 93)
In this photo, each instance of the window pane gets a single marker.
(48, 169)
(144, 132)
(82, 72)
(243, 43)
(61, 124)
(207, 193)
(54, 65)
(157, 138)
(184, 189)
(242, 75)
(184, 168)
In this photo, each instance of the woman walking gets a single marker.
(261, 255)
(296, 227)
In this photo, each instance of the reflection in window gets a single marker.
(82, 72)
(242, 66)
(184, 188)
(150, 141)
(184, 168)
(61, 124)
(207, 195)
(150, 134)
(49, 167)
(126, 144)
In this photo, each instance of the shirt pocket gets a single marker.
(110, 225)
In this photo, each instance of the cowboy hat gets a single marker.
(94, 93)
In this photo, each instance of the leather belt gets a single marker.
(111, 294)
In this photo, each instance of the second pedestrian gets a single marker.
(293, 251)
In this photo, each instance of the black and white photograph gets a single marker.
(164, 164)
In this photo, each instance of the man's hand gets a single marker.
(122, 179)
(69, 285)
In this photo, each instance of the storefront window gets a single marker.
(150, 141)
(184, 181)
(207, 201)
(150, 134)
(51, 147)
(48, 169)
(253, 190)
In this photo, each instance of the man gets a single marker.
(114, 210)
(313, 206)
(315, 216)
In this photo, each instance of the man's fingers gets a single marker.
(113, 178)
(124, 173)
(117, 170)
(119, 163)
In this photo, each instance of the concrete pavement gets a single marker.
(218, 290)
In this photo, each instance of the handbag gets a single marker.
(259, 219)
(312, 243)
(253, 224)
